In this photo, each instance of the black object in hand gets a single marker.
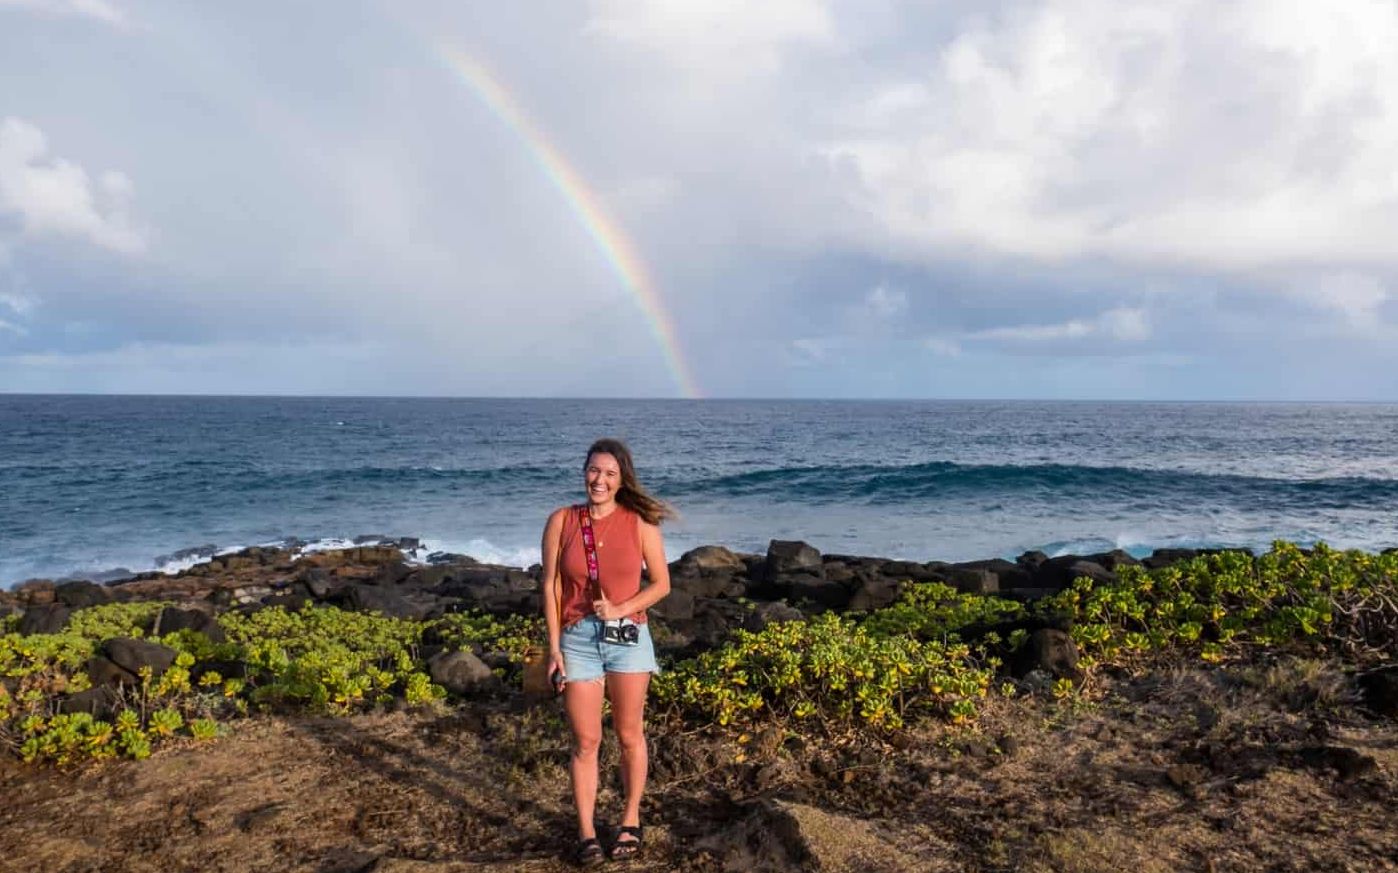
(557, 679)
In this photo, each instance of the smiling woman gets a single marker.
(595, 608)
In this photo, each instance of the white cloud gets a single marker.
(99, 9)
(947, 348)
(55, 196)
(1078, 128)
(17, 303)
(1356, 297)
(723, 41)
(5, 325)
(1121, 324)
(884, 303)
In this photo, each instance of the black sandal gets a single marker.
(625, 849)
(588, 853)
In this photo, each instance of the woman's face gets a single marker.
(602, 476)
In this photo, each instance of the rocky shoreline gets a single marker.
(714, 589)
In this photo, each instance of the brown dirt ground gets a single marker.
(1251, 767)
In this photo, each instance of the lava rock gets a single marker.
(678, 605)
(131, 655)
(789, 556)
(767, 613)
(48, 619)
(1049, 650)
(1380, 689)
(460, 673)
(173, 619)
(81, 593)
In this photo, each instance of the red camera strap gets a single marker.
(594, 575)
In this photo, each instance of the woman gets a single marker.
(625, 529)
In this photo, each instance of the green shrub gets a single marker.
(829, 669)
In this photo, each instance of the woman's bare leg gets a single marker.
(583, 703)
(627, 692)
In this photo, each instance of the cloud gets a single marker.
(884, 304)
(1122, 324)
(55, 196)
(1355, 297)
(723, 41)
(1087, 128)
(98, 9)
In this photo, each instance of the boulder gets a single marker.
(81, 593)
(173, 619)
(1007, 573)
(35, 592)
(1031, 560)
(1115, 558)
(392, 573)
(293, 600)
(386, 601)
(1380, 688)
(460, 673)
(131, 655)
(875, 593)
(678, 605)
(839, 571)
(803, 587)
(48, 619)
(712, 621)
(973, 580)
(702, 585)
(1165, 557)
(104, 673)
(99, 702)
(767, 613)
(790, 556)
(1059, 573)
(711, 559)
(1049, 650)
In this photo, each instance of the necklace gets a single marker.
(599, 527)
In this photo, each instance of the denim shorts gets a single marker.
(586, 657)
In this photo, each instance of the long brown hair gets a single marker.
(632, 494)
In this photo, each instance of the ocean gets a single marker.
(94, 483)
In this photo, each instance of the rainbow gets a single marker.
(606, 234)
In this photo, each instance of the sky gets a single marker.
(1066, 199)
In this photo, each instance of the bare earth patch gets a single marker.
(1268, 766)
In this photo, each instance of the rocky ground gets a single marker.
(1276, 762)
(1249, 767)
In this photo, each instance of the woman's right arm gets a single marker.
(551, 586)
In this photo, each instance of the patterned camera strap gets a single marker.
(594, 575)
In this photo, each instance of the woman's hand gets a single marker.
(606, 610)
(556, 668)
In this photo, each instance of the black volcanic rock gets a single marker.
(1050, 650)
(173, 619)
(48, 619)
(131, 655)
(81, 593)
(790, 556)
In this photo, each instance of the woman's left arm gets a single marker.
(653, 553)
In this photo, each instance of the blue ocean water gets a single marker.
(91, 483)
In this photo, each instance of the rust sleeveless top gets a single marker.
(618, 538)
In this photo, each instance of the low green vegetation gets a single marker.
(935, 653)
(318, 660)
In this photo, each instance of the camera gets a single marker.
(557, 680)
(624, 633)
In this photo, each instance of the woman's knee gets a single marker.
(586, 744)
(631, 738)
